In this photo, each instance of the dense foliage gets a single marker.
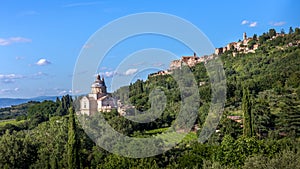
(262, 88)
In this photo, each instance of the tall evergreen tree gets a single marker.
(291, 30)
(73, 142)
(248, 119)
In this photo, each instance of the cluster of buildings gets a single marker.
(184, 60)
(238, 47)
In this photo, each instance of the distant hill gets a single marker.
(7, 102)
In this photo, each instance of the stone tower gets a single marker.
(244, 36)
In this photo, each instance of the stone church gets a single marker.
(98, 100)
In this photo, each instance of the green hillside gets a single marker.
(263, 94)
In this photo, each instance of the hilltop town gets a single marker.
(247, 45)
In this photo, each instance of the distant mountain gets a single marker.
(7, 102)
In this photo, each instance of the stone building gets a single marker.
(98, 100)
(238, 47)
(188, 60)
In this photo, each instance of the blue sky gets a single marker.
(41, 40)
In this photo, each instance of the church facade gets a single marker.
(98, 100)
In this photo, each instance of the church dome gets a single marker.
(98, 82)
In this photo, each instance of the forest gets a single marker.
(259, 128)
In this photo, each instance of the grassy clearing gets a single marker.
(11, 121)
(171, 137)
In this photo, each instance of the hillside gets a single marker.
(271, 74)
(260, 126)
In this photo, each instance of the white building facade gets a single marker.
(98, 100)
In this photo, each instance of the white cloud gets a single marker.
(42, 62)
(244, 22)
(249, 23)
(281, 23)
(108, 73)
(113, 73)
(2, 91)
(11, 40)
(131, 71)
(9, 78)
(253, 24)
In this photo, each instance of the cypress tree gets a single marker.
(73, 143)
(246, 107)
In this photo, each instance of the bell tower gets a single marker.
(244, 36)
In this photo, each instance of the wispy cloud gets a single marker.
(281, 23)
(43, 62)
(253, 24)
(114, 73)
(249, 23)
(131, 72)
(9, 78)
(9, 91)
(108, 73)
(12, 40)
(65, 91)
(81, 4)
(61, 91)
